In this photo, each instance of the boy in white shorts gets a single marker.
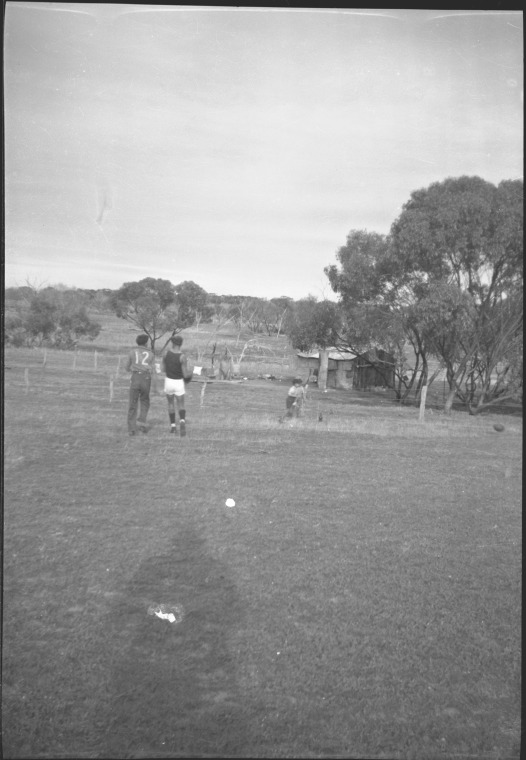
(174, 364)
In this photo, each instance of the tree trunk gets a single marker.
(449, 401)
(324, 368)
(422, 381)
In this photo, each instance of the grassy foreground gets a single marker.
(362, 599)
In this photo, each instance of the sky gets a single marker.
(238, 147)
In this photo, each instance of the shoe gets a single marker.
(144, 429)
(182, 428)
(173, 429)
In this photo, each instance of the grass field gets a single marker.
(362, 599)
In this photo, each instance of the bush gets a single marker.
(52, 319)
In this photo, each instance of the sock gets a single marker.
(172, 417)
(182, 414)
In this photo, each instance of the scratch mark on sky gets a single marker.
(105, 197)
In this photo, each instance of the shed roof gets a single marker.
(339, 356)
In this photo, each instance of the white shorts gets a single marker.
(173, 387)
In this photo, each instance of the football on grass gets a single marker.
(498, 427)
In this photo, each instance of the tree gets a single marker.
(316, 324)
(465, 231)
(445, 318)
(150, 305)
(463, 234)
(192, 302)
(480, 345)
(497, 374)
(283, 306)
(101, 301)
(360, 277)
(42, 317)
(51, 318)
(245, 314)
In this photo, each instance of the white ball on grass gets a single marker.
(230, 503)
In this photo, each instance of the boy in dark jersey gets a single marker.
(174, 364)
(139, 363)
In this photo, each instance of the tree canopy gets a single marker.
(150, 305)
(314, 324)
(157, 307)
(465, 231)
(193, 304)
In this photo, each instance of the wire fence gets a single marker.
(110, 366)
(102, 370)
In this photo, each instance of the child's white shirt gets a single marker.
(297, 391)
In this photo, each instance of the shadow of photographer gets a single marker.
(173, 682)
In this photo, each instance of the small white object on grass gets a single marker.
(161, 612)
(166, 616)
(230, 503)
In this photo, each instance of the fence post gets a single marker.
(203, 389)
(118, 366)
(111, 388)
(95, 358)
(423, 394)
(44, 360)
(26, 379)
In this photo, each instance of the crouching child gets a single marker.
(295, 398)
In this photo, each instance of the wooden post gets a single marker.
(95, 358)
(26, 379)
(423, 394)
(203, 389)
(324, 368)
(118, 366)
(44, 360)
(111, 388)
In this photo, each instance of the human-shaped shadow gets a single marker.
(173, 684)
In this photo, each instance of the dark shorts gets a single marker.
(290, 401)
